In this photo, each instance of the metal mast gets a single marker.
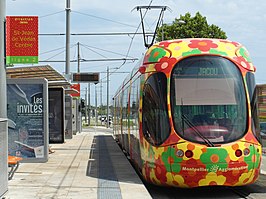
(68, 10)
(107, 97)
(78, 59)
(3, 101)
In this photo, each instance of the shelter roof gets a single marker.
(55, 79)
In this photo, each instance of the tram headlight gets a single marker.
(189, 153)
(246, 151)
(180, 153)
(238, 153)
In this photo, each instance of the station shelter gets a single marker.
(58, 95)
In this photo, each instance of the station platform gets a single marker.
(90, 165)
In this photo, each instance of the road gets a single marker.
(254, 191)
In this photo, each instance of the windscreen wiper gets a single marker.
(190, 124)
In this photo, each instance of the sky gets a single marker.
(243, 21)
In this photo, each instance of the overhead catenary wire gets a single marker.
(130, 45)
(48, 15)
(96, 34)
(87, 46)
(105, 19)
(95, 60)
(91, 34)
(55, 54)
(131, 42)
(89, 60)
(75, 56)
(56, 49)
(137, 30)
(83, 34)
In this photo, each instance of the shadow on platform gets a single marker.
(108, 162)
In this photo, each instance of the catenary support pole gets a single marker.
(86, 105)
(107, 97)
(78, 59)
(67, 67)
(89, 104)
(101, 99)
(96, 108)
(78, 70)
(3, 100)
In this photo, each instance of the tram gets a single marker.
(187, 114)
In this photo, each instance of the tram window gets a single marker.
(156, 127)
(134, 108)
(253, 100)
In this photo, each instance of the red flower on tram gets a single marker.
(243, 63)
(233, 173)
(231, 42)
(147, 171)
(203, 44)
(165, 64)
(167, 43)
(193, 176)
(160, 171)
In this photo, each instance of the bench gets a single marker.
(13, 164)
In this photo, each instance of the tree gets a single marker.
(190, 27)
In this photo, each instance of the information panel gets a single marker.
(74, 115)
(27, 111)
(85, 77)
(68, 117)
(56, 115)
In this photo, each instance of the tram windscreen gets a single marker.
(208, 100)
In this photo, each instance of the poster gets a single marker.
(56, 115)
(27, 101)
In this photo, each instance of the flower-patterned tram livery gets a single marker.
(187, 114)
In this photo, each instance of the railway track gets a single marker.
(254, 191)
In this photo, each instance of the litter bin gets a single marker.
(3, 157)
